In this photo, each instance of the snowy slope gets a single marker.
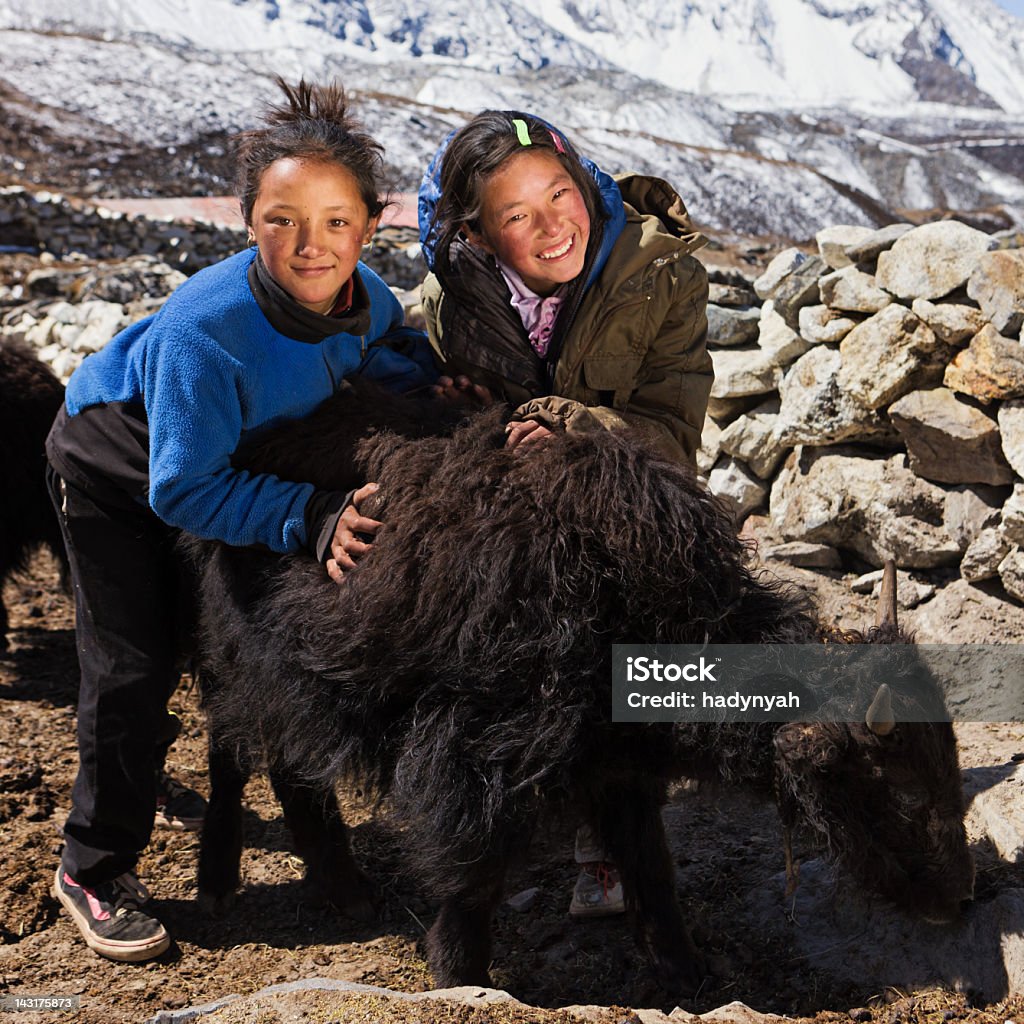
(783, 52)
(756, 53)
(780, 115)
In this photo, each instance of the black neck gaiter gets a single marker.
(293, 320)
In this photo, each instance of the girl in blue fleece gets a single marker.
(142, 449)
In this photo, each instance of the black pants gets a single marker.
(125, 584)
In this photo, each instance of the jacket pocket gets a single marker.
(612, 377)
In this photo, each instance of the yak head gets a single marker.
(886, 796)
(885, 790)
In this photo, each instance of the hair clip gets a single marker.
(556, 139)
(522, 132)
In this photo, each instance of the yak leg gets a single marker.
(220, 848)
(628, 819)
(459, 943)
(321, 839)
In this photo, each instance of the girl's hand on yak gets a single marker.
(462, 391)
(525, 432)
(353, 536)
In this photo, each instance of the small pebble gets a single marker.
(523, 901)
(860, 1013)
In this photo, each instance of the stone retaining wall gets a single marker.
(63, 226)
(872, 397)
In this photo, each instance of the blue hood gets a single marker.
(611, 199)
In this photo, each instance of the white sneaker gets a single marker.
(598, 891)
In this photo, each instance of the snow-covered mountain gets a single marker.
(769, 115)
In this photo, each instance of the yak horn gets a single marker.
(880, 719)
(887, 598)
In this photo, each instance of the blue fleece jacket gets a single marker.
(209, 368)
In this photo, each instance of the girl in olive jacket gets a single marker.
(574, 297)
(571, 295)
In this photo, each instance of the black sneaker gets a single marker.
(177, 806)
(109, 917)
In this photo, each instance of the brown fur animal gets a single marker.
(463, 671)
(30, 396)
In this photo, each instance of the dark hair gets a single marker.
(476, 151)
(312, 124)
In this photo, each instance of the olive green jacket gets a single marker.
(635, 353)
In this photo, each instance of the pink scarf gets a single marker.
(538, 314)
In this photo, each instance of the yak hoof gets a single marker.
(214, 905)
(680, 968)
(683, 976)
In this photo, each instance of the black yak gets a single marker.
(30, 396)
(463, 671)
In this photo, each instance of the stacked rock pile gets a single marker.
(872, 395)
(63, 225)
(69, 309)
(49, 222)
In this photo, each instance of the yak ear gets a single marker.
(810, 745)
(880, 718)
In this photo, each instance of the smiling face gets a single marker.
(534, 220)
(310, 223)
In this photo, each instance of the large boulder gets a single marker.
(983, 555)
(968, 510)
(888, 355)
(752, 439)
(710, 446)
(932, 260)
(997, 285)
(781, 264)
(1011, 429)
(876, 507)
(835, 242)
(816, 410)
(1011, 573)
(737, 487)
(853, 291)
(819, 324)
(950, 440)
(741, 372)
(870, 248)
(991, 367)
(728, 326)
(952, 322)
(777, 339)
(1011, 522)
(797, 289)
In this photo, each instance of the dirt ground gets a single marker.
(723, 843)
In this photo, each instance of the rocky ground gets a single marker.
(727, 848)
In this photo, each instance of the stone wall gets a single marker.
(48, 222)
(872, 397)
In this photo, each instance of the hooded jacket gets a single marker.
(633, 343)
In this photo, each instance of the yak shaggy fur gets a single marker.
(30, 396)
(463, 670)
